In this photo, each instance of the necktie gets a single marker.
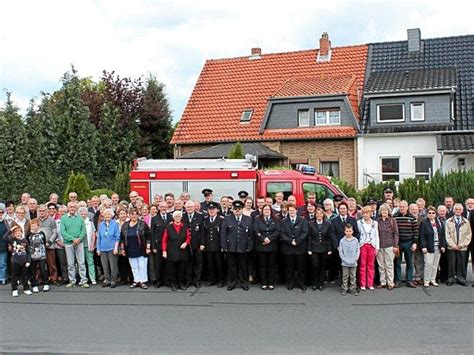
(268, 219)
(163, 216)
(343, 220)
(212, 219)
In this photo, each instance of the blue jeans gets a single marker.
(405, 250)
(3, 266)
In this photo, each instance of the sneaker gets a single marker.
(363, 288)
(70, 285)
(28, 292)
(371, 288)
(343, 292)
(426, 284)
(15, 293)
(85, 285)
(354, 292)
(94, 282)
(35, 289)
(45, 288)
(434, 283)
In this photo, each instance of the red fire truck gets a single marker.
(225, 177)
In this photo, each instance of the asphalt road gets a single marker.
(211, 320)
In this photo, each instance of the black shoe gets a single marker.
(184, 288)
(462, 283)
(105, 284)
(321, 288)
(449, 283)
(174, 288)
(245, 287)
(197, 284)
(210, 283)
(303, 287)
(230, 287)
(314, 288)
(113, 285)
(220, 285)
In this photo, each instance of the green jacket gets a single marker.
(72, 227)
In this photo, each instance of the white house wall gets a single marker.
(372, 149)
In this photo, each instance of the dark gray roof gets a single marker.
(437, 53)
(222, 150)
(419, 128)
(455, 142)
(411, 80)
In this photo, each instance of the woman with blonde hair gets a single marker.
(388, 237)
(369, 246)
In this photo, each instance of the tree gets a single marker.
(155, 128)
(236, 151)
(77, 183)
(122, 180)
(13, 158)
(76, 134)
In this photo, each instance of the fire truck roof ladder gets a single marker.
(194, 164)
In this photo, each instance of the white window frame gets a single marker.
(415, 174)
(299, 118)
(327, 117)
(390, 174)
(388, 121)
(249, 112)
(412, 104)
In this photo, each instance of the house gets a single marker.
(418, 108)
(295, 107)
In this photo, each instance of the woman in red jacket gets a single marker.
(176, 239)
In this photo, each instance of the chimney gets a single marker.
(414, 41)
(255, 53)
(324, 44)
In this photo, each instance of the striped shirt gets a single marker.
(407, 227)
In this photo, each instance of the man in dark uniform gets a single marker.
(243, 195)
(156, 263)
(338, 225)
(207, 199)
(337, 199)
(237, 242)
(194, 221)
(387, 195)
(212, 246)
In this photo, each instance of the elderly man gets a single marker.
(156, 262)
(32, 209)
(443, 261)
(195, 222)
(458, 237)
(408, 240)
(73, 231)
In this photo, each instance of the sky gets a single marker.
(40, 40)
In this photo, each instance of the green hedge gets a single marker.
(458, 184)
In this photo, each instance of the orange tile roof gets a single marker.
(227, 87)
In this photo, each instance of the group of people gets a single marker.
(178, 242)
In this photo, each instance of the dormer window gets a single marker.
(246, 116)
(303, 118)
(391, 113)
(417, 111)
(328, 117)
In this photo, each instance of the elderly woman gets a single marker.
(432, 244)
(146, 214)
(329, 210)
(136, 241)
(319, 247)
(369, 246)
(108, 238)
(388, 237)
(21, 221)
(123, 263)
(89, 244)
(176, 239)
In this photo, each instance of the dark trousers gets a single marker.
(19, 272)
(267, 265)
(237, 269)
(43, 272)
(457, 265)
(333, 264)
(214, 264)
(194, 267)
(124, 269)
(443, 268)
(318, 267)
(176, 272)
(62, 262)
(295, 263)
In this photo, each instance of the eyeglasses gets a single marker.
(431, 212)
(51, 208)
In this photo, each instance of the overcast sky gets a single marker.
(39, 40)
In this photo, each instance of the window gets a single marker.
(322, 192)
(390, 169)
(246, 116)
(391, 113)
(423, 167)
(303, 118)
(328, 117)
(274, 187)
(329, 168)
(417, 111)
